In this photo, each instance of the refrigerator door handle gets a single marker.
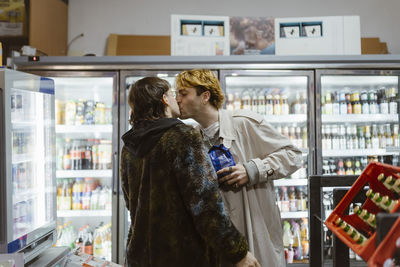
(115, 174)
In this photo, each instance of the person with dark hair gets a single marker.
(171, 190)
(260, 155)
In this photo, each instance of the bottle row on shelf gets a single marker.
(375, 136)
(82, 111)
(97, 243)
(296, 240)
(83, 154)
(291, 199)
(268, 102)
(297, 135)
(22, 177)
(381, 101)
(355, 165)
(83, 194)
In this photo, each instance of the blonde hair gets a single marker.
(202, 80)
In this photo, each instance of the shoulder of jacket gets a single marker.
(242, 113)
(182, 130)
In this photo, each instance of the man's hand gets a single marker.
(235, 176)
(248, 261)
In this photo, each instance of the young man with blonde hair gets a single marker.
(261, 154)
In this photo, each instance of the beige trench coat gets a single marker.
(253, 209)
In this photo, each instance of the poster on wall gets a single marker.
(252, 36)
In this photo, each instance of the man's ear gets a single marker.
(206, 97)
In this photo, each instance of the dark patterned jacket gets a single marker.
(170, 188)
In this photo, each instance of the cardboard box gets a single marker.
(138, 45)
(333, 35)
(373, 46)
(12, 18)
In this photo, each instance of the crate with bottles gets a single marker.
(95, 242)
(291, 198)
(83, 194)
(357, 229)
(82, 112)
(83, 154)
(296, 240)
(270, 101)
(341, 101)
(360, 136)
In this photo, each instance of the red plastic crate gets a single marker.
(387, 247)
(367, 178)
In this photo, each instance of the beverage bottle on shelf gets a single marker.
(342, 137)
(364, 102)
(328, 103)
(375, 138)
(328, 137)
(246, 100)
(285, 131)
(285, 205)
(285, 105)
(396, 140)
(393, 106)
(88, 243)
(277, 105)
(86, 194)
(361, 138)
(332, 166)
(261, 102)
(340, 169)
(254, 101)
(335, 137)
(70, 112)
(335, 104)
(229, 101)
(89, 112)
(292, 135)
(292, 199)
(77, 194)
(349, 103)
(357, 169)
(388, 134)
(67, 155)
(382, 137)
(301, 200)
(278, 198)
(382, 101)
(304, 237)
(303, 100)
(299, 139)
(99, 113)
(80, 112)
(342, 103)
(95, 155)
(87, 163)
(97, 243)
(355, 97)
(297, 248)
(305, 138)
(368, 139)
(60, 154)
(66, 196)
(349, 167)
(269, 106)
(373, 102)
(354, 137)
(59, 194)
(349, 138)
(296, 105)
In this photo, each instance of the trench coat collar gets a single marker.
(226, 130)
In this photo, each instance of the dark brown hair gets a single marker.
(145, 99)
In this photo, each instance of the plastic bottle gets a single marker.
(86, 195)
(67, 155)
(297, 247)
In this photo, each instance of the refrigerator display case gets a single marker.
(86, 160)
(283, 97)
(27, 165)
(359, 120)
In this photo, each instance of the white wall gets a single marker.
(96, 19)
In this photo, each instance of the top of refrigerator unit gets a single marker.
(27, 167)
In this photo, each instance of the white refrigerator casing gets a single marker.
(340, 35)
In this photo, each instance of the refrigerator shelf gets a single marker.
(363, 118)
(294, 214)
(20, 158)
(84, 213)
(356, 153)
(282, 119)
(291, 182)
(69, 129)
(393, 149)
(84, 173)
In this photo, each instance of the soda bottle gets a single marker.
(67, 155)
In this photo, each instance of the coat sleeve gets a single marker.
(272, 154)
(198, 186)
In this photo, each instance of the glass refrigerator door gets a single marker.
(282, 97)
(359, 120)
(30, 154)
(84, 104)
